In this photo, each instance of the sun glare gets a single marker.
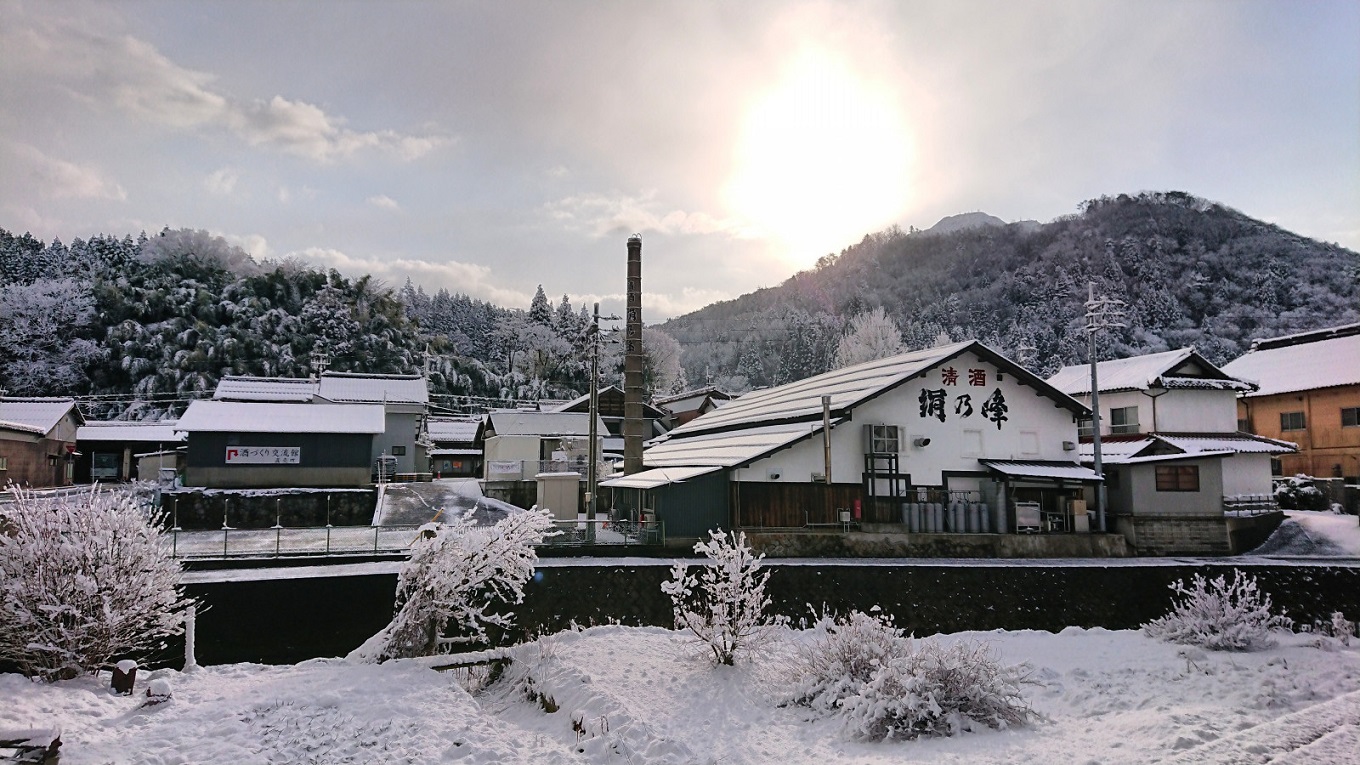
(822, 159)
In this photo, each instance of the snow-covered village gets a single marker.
(792, 381)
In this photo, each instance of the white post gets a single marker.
(190, 622)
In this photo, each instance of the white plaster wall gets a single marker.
(506, 448)
(1246, 474)
(1035, 429)
(1176, 411)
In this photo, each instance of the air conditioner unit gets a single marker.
(1069, 446)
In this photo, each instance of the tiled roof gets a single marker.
(1329, 362)
(252, 417)
(517, 423)
(149, 432)
(1069, 471)
(1152, 370)
(650, 479)
(1130, 450)
(35, 415)
(443, 429)
(728, 448)
(265, 389)
(343, 387)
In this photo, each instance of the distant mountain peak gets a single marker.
(964, 221)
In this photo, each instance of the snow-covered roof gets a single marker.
(345, 387)
(455, 452)
(147, 432)
(252, 417)
(265, 389)
(543, 424)
(1121, 451)
(1333, 360)
(693, 399)
(650, 479)
(447, 429)
(1170, 369)
(1066, 471)
(36, 415)
(848, 387)
(1241, 443)
(728, 448)
(1174, 457)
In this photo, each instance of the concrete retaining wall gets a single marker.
(894, 544)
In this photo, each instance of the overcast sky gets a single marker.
(490, 147)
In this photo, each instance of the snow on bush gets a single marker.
(724, 604)
(460, 574)
(842, 657)
(83, 578)
(885, 685)
(1218, 615)
(1299, 493)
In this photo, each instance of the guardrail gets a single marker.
(280, 542)
(525, 470)
(604, 531)
(1250, 504)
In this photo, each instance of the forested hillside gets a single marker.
(138, 328)
(1191, 272)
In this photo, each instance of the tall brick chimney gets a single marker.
(633, 423)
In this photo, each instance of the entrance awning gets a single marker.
(650, 479)
(1044, 471)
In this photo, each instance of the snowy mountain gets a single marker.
(1190, 271)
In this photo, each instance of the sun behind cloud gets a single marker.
(821, 158)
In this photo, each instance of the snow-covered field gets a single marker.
(647, 695)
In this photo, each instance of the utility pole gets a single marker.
(1105, 313)
(592, 470)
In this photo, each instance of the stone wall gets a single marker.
(1175, 535)
(288, 620)
(260, 509)
(873, 544)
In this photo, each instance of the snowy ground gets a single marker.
(645, 695)
(1309, 533)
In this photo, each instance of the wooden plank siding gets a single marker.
(791, 505)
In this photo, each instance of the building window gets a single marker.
(1084, 427)
(1244, 426)
(883, 439)
(1291, 421)
(4, 463)
(1350, 417)
(1177, 478)
(398, 451)
(1124, 419)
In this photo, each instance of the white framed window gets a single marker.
(884, 439)
(1124, 419)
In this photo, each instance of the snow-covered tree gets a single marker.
(459, 576)
(1219, 615)
(724, 604)
(662, 374)
(83, 579)
(871, 335)
(44, 336)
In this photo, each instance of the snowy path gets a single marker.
(1326, 732)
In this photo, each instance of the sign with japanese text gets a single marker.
(264, 455)
(937, 402)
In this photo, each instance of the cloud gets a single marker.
(467, 278)
(221, 182)
(138, 79)
(54, 178)
(384, 202)
(602, 215)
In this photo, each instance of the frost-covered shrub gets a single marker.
(1218, 615)
(724, 604)
(1299, 493)
(883, 684)
(842, 657)
(83, 578)
(933, 690)
(462, 575)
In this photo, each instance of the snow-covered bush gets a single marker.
(724, 604)
(83, 578)
(842, 657)
(1218, 615)
(934, 690)
(883, 684)
(462, 575)
(1299, 493)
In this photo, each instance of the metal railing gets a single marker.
(280, 542)
(525, 470)
(604, 531)
(1250, 504)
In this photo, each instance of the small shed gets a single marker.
(38, 441)
(257, 445)
(109, 451)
